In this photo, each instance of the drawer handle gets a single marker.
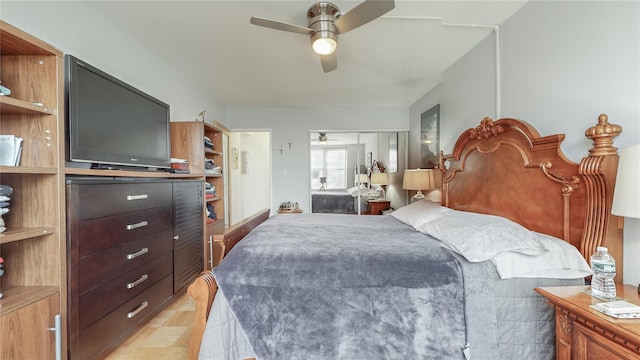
(136, 311)
(137, 197)
(142, 279)
(137, 225)
(137, 253)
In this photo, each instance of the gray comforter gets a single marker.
(327, 286)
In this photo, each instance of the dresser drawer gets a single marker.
(119, 289)
(97, 268)
(100, 200)
(105, 232)
(117, 324)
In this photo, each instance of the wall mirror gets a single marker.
(338, 162)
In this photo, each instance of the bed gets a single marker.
(428, 281)
(333, 202)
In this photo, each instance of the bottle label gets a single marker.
(604, 267)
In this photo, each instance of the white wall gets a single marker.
(290, 171)
(563, 63)
(76, 28)
(250, 192)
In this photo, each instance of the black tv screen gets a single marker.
(111, 123)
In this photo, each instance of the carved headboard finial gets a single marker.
(486, 129)
(602, 135)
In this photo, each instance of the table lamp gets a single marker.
(626, 196)
(361, 179)
(381, 179)
(418, 179)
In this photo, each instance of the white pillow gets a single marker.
(359, 190)
(419, 212)
(563, 261)
(480, 237)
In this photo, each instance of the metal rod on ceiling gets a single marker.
(496, 32)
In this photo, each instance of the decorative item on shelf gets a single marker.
(10, 150)
(418, 179)
(200, 116)
(626, 196)
(381, 179)
(289, 207)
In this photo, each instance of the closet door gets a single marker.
(188, 232)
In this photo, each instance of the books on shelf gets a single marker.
(10, 150)
(620, 309)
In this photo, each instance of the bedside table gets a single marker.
(584, 333)
(375, 207)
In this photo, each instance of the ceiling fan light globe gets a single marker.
(324, 46)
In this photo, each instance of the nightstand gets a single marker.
(375, 207)
(584, 333)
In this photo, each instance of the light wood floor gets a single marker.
(165, 337)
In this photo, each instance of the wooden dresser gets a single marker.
(121, 242)
(584, 333)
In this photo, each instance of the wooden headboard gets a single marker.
(506, 168)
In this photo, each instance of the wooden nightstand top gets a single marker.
(573, 301)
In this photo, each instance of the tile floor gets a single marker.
(165, 337)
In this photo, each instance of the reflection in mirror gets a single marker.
(340, 158)
(393, 153)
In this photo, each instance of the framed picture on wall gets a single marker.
(234, 158)
(430, 138)
(368, 160)
(244, 169)
(393, 153)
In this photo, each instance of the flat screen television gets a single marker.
(111, 124)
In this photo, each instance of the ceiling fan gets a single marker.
(323, 139)
(325, 23)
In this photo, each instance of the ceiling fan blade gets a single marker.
(329, 62)
(274, 24)
(362, 14)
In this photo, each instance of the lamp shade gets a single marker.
(361, 178)
(626, 195)
(418, 179)
(379, 179)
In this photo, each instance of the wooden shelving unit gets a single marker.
(187, 142)
(34, 282)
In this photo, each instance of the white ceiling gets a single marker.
(387, 62)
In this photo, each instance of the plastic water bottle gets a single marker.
(604, 270)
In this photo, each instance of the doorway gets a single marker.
(249, 173)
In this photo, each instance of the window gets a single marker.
(332, 164)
